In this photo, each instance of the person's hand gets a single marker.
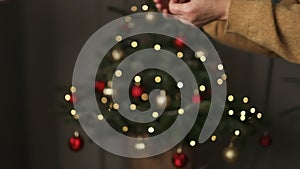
(197, 12)
(163, 5)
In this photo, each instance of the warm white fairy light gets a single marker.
(72, 89)
(213, 138)
(179, 150)
(145, 7)
(259, 115)
(157, 47)
(179, 55)
(237, 132)
(76, 116)
(125, 129)
(157, 79)
(118, 73)
(134, 44)
(137, 79)
(133, 8)
(202, 88)
(149, 17)
(140, 146)
(107, 91)
(100, 117)
(220, 67)
(73, 112)
(230, 98)
(132, 107)
(243, 118)
(199, 54)
(180, 111)
(151, 129)
(192, 143)
(109, 84)
(118, 38)
(243, 113)
(128, 19)
(245, 100)
(67, 97)
(180, 85)
(224, 76)
(155, 114)
(116, 106)
(104, 100)
(220, 81)
(144, 97)
(252, 110)
(117, 54)
(230, 112)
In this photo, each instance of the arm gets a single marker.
(259, 25)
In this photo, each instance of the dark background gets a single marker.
(39, 43)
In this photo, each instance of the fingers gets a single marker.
(177, 8)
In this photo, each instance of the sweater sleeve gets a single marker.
(261, 24)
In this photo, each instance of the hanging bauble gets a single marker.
(265, 140)
(76, 142)
(136, 91)
(179, 160)
(196, 99)
(230, 153)
(179, 42)
(99, 86)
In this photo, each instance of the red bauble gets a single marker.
(179, 42)
(196, 99)
(179, 160)
(75, 142)
(73, 98)
(265, 141)
(136, 91)
(99, 86)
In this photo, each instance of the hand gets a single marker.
(163, 5)
(197, 12)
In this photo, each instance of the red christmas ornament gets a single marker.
(73, 98)
(99, 86)
(179, 160)
(179, 42)
(75, 142)
(136, 91)
(265, 140)
(196, 99)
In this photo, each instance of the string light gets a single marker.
(137, 79)
(107, 91)
(134, 44)
(118, 73)
(179, 55)
(133, 8)
(100, 117)
(237, 132)
(116, 106)
(202, 88)
(144, 97)
(220, 81)
(104, 100)
(132, 107)
(128, 19)
(192, 143)
(118, 38)
(125, 129)
(155, 114)
(72, 89)
(117, 54)
(67, 97)
(224, 76)
(245, 100)
(157, 47)
(157, 79)
(149, 17)
(180, 85)
(140, 146)
(220, 67)
(243, 118)
(151, 129)
(180, 111)
(230, 112)
(243, 113)
(213, 138)
(145, 7)
(252, 110)
(230, 98)
(259, 115)
(73, 112)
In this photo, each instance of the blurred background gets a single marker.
(39, 43)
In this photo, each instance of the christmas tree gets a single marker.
(239, 119)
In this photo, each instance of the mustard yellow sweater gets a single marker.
(261, 26)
